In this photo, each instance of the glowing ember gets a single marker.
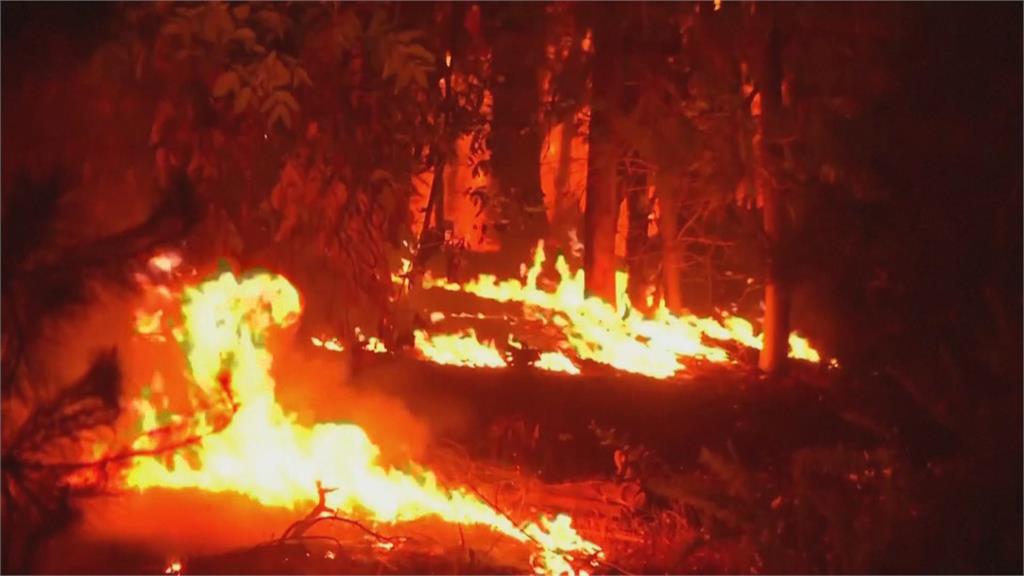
(173, 568)
(165, 262)
(149, 324)
(334, 345)
(261, 451)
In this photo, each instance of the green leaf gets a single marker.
(350, 28)
(277, 73)
(419, 75)
(242, 99)
(280, 113)
(301, 77)
(241, 12)
(377, 23)
(272, 21)
(226, 83)
(217, 25)
(269, 102)
(244, 35)
(192, 457)
(190, 12)
(173, 28)
(402, 78)
(380, 175)
(285, 97)
(418, 51)
(408, 36)
(164, 417)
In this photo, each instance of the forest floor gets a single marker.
(697, 475)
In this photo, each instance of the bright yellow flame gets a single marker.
(459, 349)
(165, 261)
(149, 323)
(556, 362)
(264, 454)
(333, 344)
(621, 337)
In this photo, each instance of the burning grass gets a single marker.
(659, 345)
(250, 445)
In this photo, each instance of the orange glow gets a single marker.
(148, 324)
(621, 337)
(656, 345)
(263, 453)
(459, 349)
(556, 362)
(165, 261)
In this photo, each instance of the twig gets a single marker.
(506, 516)
(334, 517)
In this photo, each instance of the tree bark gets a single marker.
(638, 201)
(566, 206)
(668, 225)
(602, 204)
(516, 138)
(775, 347)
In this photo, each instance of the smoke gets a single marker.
(317, 386)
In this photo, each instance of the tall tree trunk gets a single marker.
(566, 206)
(668, 225)
(563, 175)
(768, 149)
(602, 208)
(434, 223)
(516, 137)
(639, 204)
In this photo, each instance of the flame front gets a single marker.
(263, 453)
(655, 345)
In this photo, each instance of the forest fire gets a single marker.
(563, 288)
(250, 445)
(655, 345)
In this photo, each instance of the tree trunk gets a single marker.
(768, 149)
(566, 206)
(516, 138)
(602, 204)
(432, 235)
(563, 181)
(639, 205)
(668, 225)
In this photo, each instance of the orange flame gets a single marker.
(459, 349)
(656, 345)
(620, 337)
(264, 454)
(165, 261)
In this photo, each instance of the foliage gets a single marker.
(831, 509)
(39, 440)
